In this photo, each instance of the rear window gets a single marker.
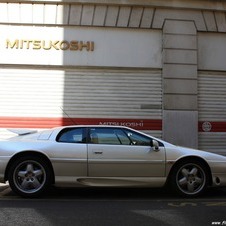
(71, 135)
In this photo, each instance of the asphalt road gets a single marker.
(112, 207)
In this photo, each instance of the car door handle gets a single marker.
(98, 152)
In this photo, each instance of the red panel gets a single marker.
(209, 126)
(29, 122)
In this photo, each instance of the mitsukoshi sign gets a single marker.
(50, 45)
(80, 46)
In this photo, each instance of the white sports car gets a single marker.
(104, 156)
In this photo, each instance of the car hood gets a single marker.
(176, 152)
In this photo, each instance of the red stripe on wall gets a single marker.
(140, 124)
(45, 123)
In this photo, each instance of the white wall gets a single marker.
(112, 47)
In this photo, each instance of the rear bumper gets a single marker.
(3, 163)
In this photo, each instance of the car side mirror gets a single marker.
(155, 145)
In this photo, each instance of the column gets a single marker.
(180, 113)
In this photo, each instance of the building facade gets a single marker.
(156, 66)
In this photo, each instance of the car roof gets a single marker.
(101, 126)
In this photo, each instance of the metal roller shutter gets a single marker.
(113, 94)
(45, 98)
(212, 111)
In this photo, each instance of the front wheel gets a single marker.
(189, 178)
(29, 176)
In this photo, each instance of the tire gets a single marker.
(189, 178)
(29, 176)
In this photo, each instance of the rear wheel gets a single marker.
(189, 178)
(29, 176)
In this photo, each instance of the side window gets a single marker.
(138, 139)
(112, 136)
(72, 135)
(123, 138)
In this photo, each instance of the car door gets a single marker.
(119, 152)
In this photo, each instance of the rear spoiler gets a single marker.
(22, 132)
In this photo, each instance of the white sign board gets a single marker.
(79, 46)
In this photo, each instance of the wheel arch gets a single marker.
(30, 153)
(190, 159)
